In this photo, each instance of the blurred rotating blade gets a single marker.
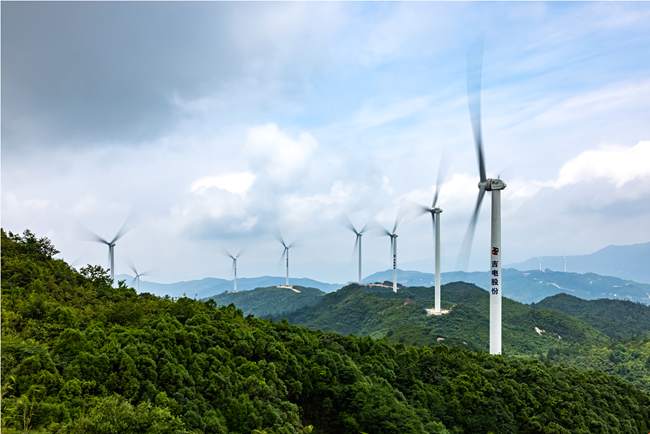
(439, 180)
(348, 224)
(123, 230)
(466, 247)
(474, 85)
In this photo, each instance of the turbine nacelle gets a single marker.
(492, 184)
(435, 210)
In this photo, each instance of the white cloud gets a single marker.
(276, 153)
(236, 183)
(320, 206)
(617, 164)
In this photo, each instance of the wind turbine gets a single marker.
(285, 255)
(358, 234)
(494, 186)
(435, 221)
(137, 276)
(234, 268)
(393, 251)
(111, 247)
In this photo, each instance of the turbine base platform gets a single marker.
(379, 285)
(433, 312)
(297, 291)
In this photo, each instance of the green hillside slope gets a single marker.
(270, 301)
(401, 317)
(81, 356)
(618, 319)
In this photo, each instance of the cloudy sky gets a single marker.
(214, 125)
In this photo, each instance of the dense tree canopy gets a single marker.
(81, 356)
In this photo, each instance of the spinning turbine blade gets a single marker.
(469, 235)
(424, 210)
(439, 180)
(92, 236)
(280, 238)
(474, 73)
(123, 230)
(356, 243)
(349, 225)
(135, 270)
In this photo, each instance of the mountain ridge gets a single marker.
(209, 286)
(626, 261)
(523, 286)
(533, 286)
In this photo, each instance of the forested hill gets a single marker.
(609, 335)
(616, 318)
(270, 301)
(81, 356)
(401, 317)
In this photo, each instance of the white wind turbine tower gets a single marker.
(234, 258)
(393, 251)
(358, 235)
(285, 255)
(494, 186)
(435, 221)
(111, 247)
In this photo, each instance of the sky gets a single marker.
(215, 126)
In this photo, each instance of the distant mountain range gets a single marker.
(534, 285)
(630, 261)
(523, 286)
(210, 286)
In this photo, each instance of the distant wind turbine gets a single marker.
(494, 186)
(285, 255)
(234, 268)
(435, 221)
(393, 251)
(358, 235)
(111, 247)
(137, 277)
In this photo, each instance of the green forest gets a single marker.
(608, 335)
(271, 300)
(81, 356)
